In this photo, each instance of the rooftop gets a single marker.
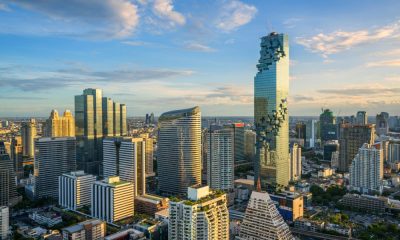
(179, 113)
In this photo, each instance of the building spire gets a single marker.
(258, 185)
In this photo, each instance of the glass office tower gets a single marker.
(271, 87)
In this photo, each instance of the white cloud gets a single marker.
(291, 22)
(4, 7)
(198, 47)
(338, 41)
(164, 9)
(387, 63)
(235, 14)
(105, 18)
(135, 43)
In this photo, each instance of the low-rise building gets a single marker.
(127, 234)
(289, 204)
(46, 218)
(150, 204)
(365, 202)
(153, 229)
(308, 225)
(91, 229)
(325, 172)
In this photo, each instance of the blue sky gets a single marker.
(160, 55)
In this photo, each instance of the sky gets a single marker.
(161, 55)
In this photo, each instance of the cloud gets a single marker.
(135, 43)
(4, 7)
(193, 46)
(387, 63)
(302, 98)
(105, 18)
(31, 80)
(164, 9)
(361, 91)
(235, 14)
(291, 22)
(338, 41)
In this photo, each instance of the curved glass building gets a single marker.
(271, 88)
(179, 151)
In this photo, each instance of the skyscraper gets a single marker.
(54, 157)
(89, 130)
(311, 133)
(57, 126)
(262, 220)
(366, 170)
(149, 153)
(393, 151)
(295, 162)
(28, 133)
(238, 133)
(112, 199)
(220, 158)
(4, 222)
(16, 156)
(271, 87)
(362, 118)
(382, 123)
(249, 144)
(125, 157)
(327, 125)
(352, 137)
(204, 215)
(179, 150)
(96, 117)
(8, 181)
(74, 189)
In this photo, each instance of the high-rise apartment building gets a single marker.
(149, 141)
(366, 170)
(74, 189)
(271, 88)
(301, 131)
(238, 133)
(262, 220)
(327, 126)
(93, 229)
(179, 150)
(53, 157)
(362, 118)
(382, 123)
(125, 157)
(352, 137)
(96, 117)
(295, 162)
(4, 222)
(112, 199)
(28, 133)
(8, 181)
(204, 215)
(393, 151)
(16, 155)
(220, 158)
(57, 126)
(249, 144)
(311, 133)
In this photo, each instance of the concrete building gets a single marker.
(149, 141)
(311, 133)
(179, 151)
(295, 162)
(125, 157)
(16, 155)
(382, 123)
(362, 118)
(366, 170)
(204, 215)
(327, 126)
(365, 203)
(57, 126)
(74, 189)
(93, 229)
(393, 151)
(8, 181)
(220, 158)
(150, 204)
(48, 219)
(351, 138)
(28, 134)
(271, 89)
(289, 204)
(249, 144)
(127, 234)
(153, 229)
(53, 157)
(4, 222)
(238, 134)
(262, 220)
(112, 199)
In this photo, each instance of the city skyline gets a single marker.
(175, 54)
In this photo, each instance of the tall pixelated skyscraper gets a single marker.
(28, 133)
(271, 87)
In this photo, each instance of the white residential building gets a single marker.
(220, 158)
(262, 220)
(4, 222)
(74, 189)
(295, 162)
(366, 170)
(93, 229)
(203, 216)
(112, 199)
